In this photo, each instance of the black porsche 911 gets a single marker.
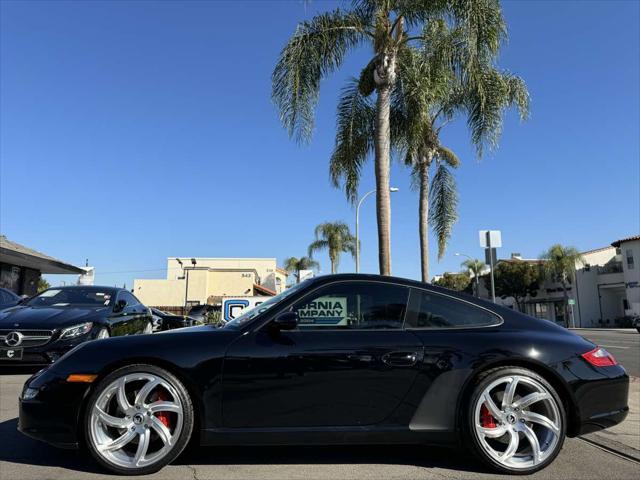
(340, 359)
(41, 329)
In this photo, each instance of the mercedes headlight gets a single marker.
(76, 330)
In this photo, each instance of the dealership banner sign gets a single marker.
(234, 307)
(328, 311)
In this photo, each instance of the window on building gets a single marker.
(630, 259)
(541, 310)
(353, 305)
(430, 310)
(559, 311)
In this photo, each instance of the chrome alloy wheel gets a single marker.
(517, 422)
(136, 420)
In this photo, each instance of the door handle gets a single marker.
(400, 359)
(361, 358)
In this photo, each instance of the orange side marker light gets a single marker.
(81, 378)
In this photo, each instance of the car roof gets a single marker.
(322, 279)
(90, 287)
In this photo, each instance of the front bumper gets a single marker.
(46, 354)
(54, 414)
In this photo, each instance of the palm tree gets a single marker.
(427, 96)
(476, 267)
(336, 238)
(294, 265)
(318, 48)
(559, 266)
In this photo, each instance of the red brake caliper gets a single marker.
(162, 416)
(486, 419)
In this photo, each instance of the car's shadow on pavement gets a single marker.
(20, 449)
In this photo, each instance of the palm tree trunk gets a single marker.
(334, 266)
(382, 161)
(423, 214)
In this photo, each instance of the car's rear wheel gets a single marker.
(138, 419)
(516, 421)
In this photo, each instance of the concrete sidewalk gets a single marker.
(625, 437)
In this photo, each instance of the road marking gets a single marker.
(613, 346)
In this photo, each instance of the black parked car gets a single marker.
(200, 313)
(41, 329)
(8, 298)
(168, 321)
(337, 359)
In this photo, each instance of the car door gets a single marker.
(124, 322)
(140, 314)
(349, 361)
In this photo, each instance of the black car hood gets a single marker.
(48, 318)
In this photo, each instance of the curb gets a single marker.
(597, 329)
(612, 446)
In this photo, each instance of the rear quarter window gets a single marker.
(433, 311)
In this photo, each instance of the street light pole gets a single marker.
(391, 189)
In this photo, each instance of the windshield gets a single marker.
(264, 306)
(65, 297)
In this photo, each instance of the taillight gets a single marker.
(599, 357)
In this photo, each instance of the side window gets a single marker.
(430, 310)
(353, 305)
(128, 297)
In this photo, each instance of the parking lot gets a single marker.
(24, 459)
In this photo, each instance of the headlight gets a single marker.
(29, 393)
(76, 330)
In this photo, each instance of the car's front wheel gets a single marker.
(138, 419)
(516, 421)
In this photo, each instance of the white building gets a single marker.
(606, 288)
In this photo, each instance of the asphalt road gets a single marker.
(624, 345)
(25, 459)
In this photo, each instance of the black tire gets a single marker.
(176, 449)
(471, 437)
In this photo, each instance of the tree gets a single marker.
(559, 266)
(454, 281)
(429, 93)
(517, 279)
(318, 48)
(336, 238)
(475, 267)
(42, 285)
(294, 265)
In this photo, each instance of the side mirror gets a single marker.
(119, 306)
(286, 321)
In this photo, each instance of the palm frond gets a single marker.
(491, 93)
(447, 155)
(316, 49)
(316, 246)
(443, 205)
(354, 139)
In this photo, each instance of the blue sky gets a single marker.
(133, 131)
